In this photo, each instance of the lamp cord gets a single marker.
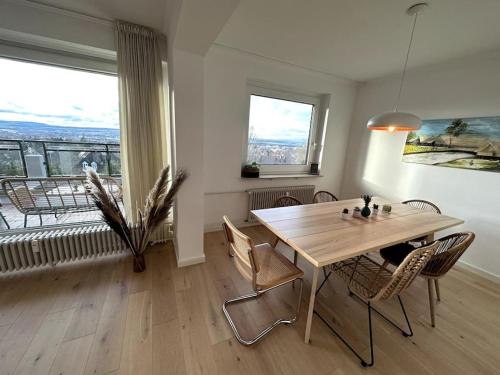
(406, 62)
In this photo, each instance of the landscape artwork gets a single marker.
(469, 143)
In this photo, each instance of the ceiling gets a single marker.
(361, 39)
(144, 12)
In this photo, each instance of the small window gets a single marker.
(282, 130)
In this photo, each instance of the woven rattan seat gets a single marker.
(274, 268)
(363, 276)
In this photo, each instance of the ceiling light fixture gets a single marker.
(400, 121)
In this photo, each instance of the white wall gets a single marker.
(462, 88)
(226, 115)
(186, 94)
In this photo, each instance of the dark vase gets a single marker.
(139, 263)
(365, 212)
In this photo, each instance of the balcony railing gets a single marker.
(43, 158)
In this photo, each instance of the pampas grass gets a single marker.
(156, 209)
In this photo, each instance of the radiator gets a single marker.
(49, 247)
(265, 197)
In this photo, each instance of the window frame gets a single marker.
(315, 131)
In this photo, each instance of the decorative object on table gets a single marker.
(395, 120)
(365, 212)
(156, 210)
(468, 143)
(250, 170)
(386, 208)
(345, 213)
(375, 209)
(314, 168)
(356, 212)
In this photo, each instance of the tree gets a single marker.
(456, 128)
(411, 136)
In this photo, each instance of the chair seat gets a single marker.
(397, 253)
(362, 275)
(274, 268)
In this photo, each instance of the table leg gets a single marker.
(430, 238)
(310, 312)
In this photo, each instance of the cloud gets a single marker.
(276, 119)
(57, 96)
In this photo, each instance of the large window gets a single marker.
(55, 123)
(282, 130)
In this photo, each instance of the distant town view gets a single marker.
(56, 121)
(279, 131)
(47, 150)
(265, 151)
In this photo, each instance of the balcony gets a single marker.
(52, 160)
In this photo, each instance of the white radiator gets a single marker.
(49, 247)
(266, 197)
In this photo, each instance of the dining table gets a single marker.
(323, 236)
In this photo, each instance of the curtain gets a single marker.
(143, 133)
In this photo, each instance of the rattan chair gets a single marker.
(324, 196)
(371, 282)
(266, 269)
(425, 206)
(285, 201)
(449, 251)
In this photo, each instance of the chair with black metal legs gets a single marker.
(324, 196)
(266, 269)
(285, 201)
(371, 282)
(424, 206)
(450, 249)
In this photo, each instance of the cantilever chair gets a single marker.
(371, 282)
(324, 196)
(266, 269)
(449, 251)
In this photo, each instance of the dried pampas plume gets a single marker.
(156, 209)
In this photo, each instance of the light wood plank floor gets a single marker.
(98, 317)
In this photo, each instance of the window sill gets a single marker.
(280, 176)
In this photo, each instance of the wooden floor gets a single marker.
(98, 317)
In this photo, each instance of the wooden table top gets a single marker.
(319, 234)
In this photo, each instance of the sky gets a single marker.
(57, 96)
(480, 126)
(276, 119)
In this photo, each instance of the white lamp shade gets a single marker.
(394, 121)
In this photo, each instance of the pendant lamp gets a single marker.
(400, 121)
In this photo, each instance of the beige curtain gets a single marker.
(143, 134)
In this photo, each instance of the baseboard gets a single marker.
(479, 271)
(190, 261)
(215, 227)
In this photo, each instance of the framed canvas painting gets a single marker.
(469, 143)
